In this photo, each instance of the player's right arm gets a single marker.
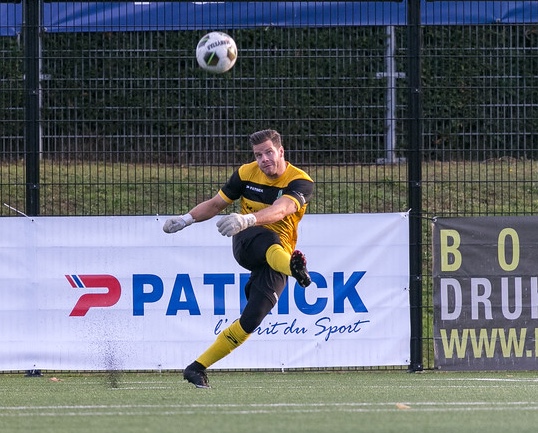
(201, 212)
(209, 208)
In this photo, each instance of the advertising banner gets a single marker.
(485, 293)
(100, 293)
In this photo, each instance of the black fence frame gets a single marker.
(414, 153)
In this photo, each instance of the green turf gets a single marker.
(271, 402)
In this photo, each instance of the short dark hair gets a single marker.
(262, 136)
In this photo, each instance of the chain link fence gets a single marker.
(131, 125)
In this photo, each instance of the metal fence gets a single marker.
(129, 124)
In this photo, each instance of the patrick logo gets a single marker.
(108, 291)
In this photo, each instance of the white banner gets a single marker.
(99, 293)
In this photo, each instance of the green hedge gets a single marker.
(142, 97)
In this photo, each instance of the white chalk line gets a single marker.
(210, 409)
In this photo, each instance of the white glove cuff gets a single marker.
(251, 219)
(188, 219)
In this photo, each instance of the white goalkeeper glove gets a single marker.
(232, 224)
(176, 224)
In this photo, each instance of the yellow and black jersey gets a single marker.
(257, 191)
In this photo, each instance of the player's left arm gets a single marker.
(232, 224)
(280, 209)
(294, 197)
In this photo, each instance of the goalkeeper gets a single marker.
(273, 198)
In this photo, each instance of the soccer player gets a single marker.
(273, 196)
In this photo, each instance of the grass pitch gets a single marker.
(305, 402)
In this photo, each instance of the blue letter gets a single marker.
(300, 296)
(219, 282)
(183, 283)
(348, 290)
(140, 297)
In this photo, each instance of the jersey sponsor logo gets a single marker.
(255, 188)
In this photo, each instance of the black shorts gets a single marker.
(249, 248)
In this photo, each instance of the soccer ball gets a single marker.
(216, 52)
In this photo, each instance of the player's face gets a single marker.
(270, 159)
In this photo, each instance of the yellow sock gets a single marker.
(278, 259)
(232, 337)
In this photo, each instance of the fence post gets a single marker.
(32, 125)
(415, 177)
